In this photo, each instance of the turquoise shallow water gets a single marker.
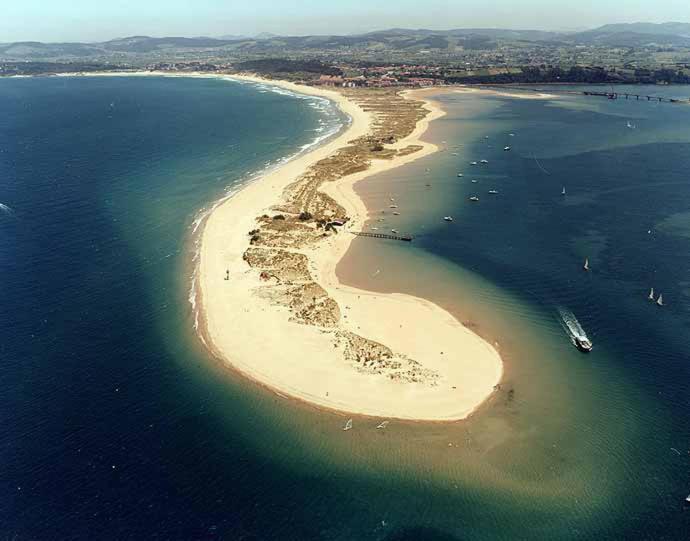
(115, 423)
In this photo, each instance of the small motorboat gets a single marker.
(651, 295)
(448, 218)
(586, 265)
(394, 231)
(474, 198)
(583, 344)
(563, 191)
(473, 163)
(512, 134)
(396, 214)
(393, 206)
(384, 424)
(459, 175)
(506, 148)
(660, 300)
(494, 192)
(484, 162)
(474, 181)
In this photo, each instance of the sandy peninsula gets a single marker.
(525, 95)
(273, 308)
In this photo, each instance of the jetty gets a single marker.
(611, 95)
(627, 95)
(406, 238)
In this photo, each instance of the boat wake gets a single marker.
(571, 325)
(540, 165)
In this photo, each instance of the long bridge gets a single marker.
(405, 238)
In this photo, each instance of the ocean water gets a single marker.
(586, 446)
(116, 424)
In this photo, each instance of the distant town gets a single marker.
(641, 53)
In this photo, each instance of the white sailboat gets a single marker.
(660, 300)
(586, 265)
(348, 425)
(651, 294)
(563, 192)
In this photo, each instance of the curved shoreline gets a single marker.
(260, 339)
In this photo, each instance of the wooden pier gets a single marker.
(629, 96)
(612, 95)
(405, 238)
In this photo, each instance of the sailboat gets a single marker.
(348, 425)
(586, 265)
(660, 300)
(651, 294)
(563, 192)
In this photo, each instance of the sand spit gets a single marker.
(274, 309)
(526, 95)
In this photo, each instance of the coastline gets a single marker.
(391, 356)
(260, 340)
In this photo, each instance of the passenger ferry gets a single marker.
(583, 344)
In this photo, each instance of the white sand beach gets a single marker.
(259, 339)
(527, 94)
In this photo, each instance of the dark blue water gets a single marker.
(509, 265)
(103, 434)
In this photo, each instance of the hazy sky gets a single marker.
(97, 20)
